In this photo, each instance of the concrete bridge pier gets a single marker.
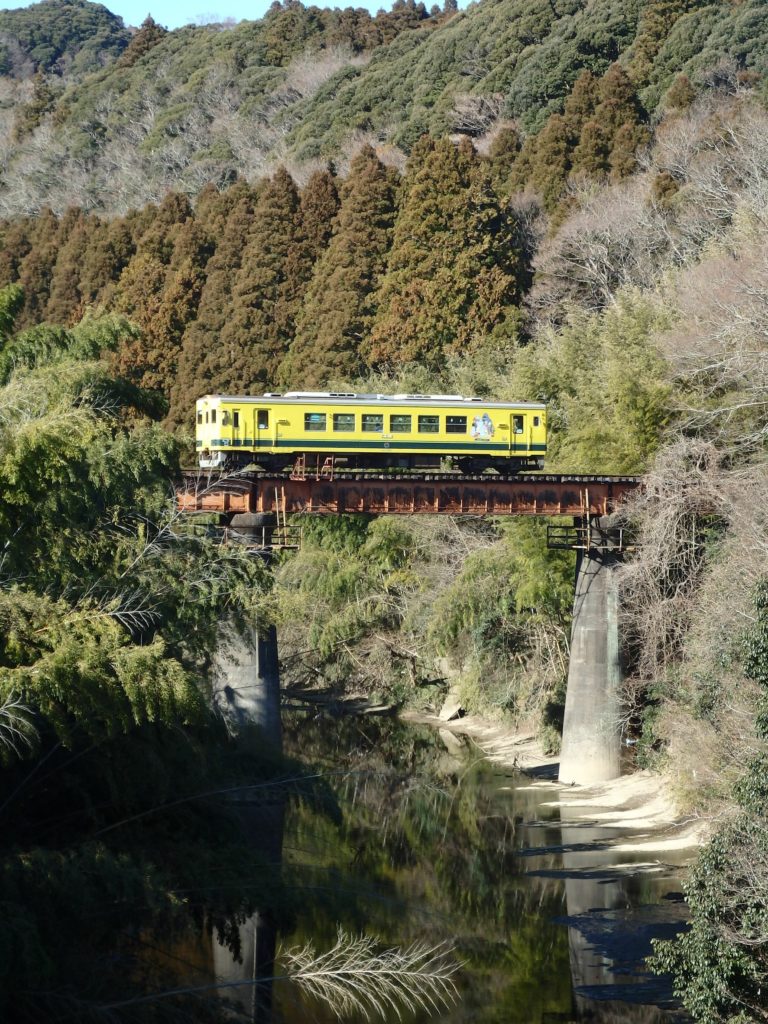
(247, 682)
(591, 745)
(247, 691)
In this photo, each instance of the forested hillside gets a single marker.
(205, 103)
(562, 201)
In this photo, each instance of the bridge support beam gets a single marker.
(591, 744)
(246, 682)
(246, 688)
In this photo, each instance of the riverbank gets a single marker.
(639, 803)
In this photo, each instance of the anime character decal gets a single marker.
(482, 428)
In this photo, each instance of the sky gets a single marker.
(173, 14)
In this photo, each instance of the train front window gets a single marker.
(314, 421)
(373, 422)
(536, 421)
(236, 419)
(199, 416)
(455, 424)
(400, 424)
(517, 424)
(429, 424)
(344, 421)
(213, 415)
(262, 421)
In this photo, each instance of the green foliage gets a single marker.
(185, 85)
(597, 135)
(719, 965)
(703, 39)
(109, 612)
(350, 580)
(30, 115)
(72, 36)
(11, 299)
(606, 385)
(504, 602)
(756, 643)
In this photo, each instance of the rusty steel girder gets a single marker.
(530, 494)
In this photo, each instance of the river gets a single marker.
(415, 836)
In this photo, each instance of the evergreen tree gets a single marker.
(502, 154)
(108, 253)
(621, 116)
(338, 308)
(593, 153)
(141, 289)
(29, 115)
(545, 161)
(36, 269)
(547, 158)
(148, 36)
(171, 298)
(155, 228)
(680, 94)
(581, 103)
(453, 265)
(212, 207)
(65, 305)
(15, 244)
(201, 368)
(319, 206)
(656, 21)
(266, 294)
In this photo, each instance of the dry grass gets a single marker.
(354, 979)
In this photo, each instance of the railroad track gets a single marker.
(219, 478)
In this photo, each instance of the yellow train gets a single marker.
(369, 431)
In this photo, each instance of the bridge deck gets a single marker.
(533, 494)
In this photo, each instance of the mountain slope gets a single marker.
(305, 85)
(69, 37)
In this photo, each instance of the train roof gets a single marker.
(352, 398)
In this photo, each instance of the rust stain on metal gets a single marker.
(542, 495)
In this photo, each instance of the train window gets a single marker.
(314, 421)
(536, 421)
(400, 424)
(262, 421)
(517, 424)
(213, 415)
(199, 416)
(455, 424)
(206, 415)
(236, 418)
(343, 421)
(373, 422)
(429, 424)
(225, 419)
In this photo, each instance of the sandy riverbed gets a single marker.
(639, 803)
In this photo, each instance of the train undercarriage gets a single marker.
(325, 463)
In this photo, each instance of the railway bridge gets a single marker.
(257, 505)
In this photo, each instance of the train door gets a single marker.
(261, 429)
(517, 432)
(236, 429)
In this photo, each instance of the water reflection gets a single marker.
(434, 844)
(244, 965)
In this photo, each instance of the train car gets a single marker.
(273, 431)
